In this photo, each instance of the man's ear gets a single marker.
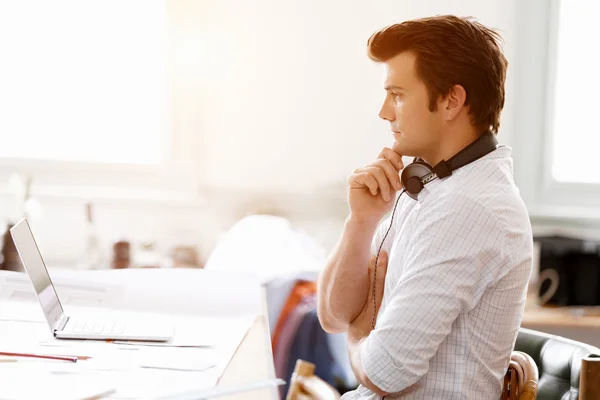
(454, 102)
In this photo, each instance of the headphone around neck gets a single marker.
(418, 173)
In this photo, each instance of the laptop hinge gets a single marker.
(62, 322)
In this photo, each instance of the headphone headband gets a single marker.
(483, 145)
(418, 173)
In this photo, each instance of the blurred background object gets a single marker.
(147, 255)
(23, 206)
(121, 255)
(93, 252)
(185, 256)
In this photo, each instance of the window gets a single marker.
(575, 135)
(86, 106)
(87, 100)
(85, 81)
(555, 102)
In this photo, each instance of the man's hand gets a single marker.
(361, 326)
(372, 187)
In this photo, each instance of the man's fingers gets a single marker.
(364, 179)
(382, 181)
(380, 176)
(382, 265)
(395, 158)
(371, 276)
(382, 262)
(390, 172)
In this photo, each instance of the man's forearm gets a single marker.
(343, 284)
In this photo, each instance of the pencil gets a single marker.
(41, 356)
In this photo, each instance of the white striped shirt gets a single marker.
(459, 263)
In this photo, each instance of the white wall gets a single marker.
(291, 98)
(282, 102)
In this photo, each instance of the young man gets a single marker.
(452, 274)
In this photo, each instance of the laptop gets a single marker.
(61, 325)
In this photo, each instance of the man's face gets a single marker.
(416, 130)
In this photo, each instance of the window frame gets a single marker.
(545, 197)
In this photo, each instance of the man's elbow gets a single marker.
(329, 322)
(332, 328)
(376, 390)
(341, 314)
(364, 379)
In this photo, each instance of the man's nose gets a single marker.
(386, 112)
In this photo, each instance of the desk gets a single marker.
(577, 323)
(253, 361)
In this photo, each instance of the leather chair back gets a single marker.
(559, 362)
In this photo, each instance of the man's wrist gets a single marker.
(360, 222)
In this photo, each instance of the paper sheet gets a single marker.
(15, 286)
(20, 311)
(193, 368)
(203, 331)
(138, 383)
(107, 356)
(23, 332)
(225, 339)
(36, 381)
(214, 392)
(148, 383)
(181, 291)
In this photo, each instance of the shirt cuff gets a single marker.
(377, 365)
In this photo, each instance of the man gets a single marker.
(452, 274)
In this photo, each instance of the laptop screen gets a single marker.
(35, 267)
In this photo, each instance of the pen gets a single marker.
(42, 356)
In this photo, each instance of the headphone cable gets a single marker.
(377, 260)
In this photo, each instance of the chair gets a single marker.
(305, 385)
(520, 382)
(521, 379)
(568, 370)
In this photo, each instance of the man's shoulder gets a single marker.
(490, 211)
(453, 204)
(496, 195)
(468, 213)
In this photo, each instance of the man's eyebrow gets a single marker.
(392, 87)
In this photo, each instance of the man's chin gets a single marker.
(402, 150)
(397, 147)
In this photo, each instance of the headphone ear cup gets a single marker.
(412, 175)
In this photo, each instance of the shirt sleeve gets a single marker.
(454, 254)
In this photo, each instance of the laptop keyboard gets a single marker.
(94, 327)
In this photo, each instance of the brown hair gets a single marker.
(449, 51)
